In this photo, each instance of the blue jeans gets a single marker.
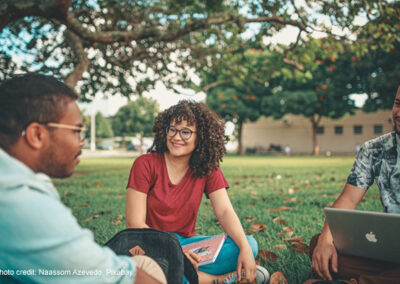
(227, 257)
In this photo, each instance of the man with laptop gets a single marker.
(377, 160)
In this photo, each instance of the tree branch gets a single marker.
(291, 48)
(214, 84)
(82, 61)
(278, 20)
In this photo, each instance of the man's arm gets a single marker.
(325, 251)
(144, 278)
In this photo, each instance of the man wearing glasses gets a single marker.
(41, 135)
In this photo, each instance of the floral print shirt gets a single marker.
(378, 161)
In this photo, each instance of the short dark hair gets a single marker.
(30, 98)
(211, 138)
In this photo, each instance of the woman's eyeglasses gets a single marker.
(185, 133)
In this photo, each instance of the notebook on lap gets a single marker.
(367, 234)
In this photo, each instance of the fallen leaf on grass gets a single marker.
(281, 234)
(115, 223)
(266, 255)
(374, 196)
(250, 219)
(290, 200)
(252, 203)
(95, 216)
(254, 194)
(85, 204)
(280, 246)
(278, 278)
(99, 184)
(119, 196)
(295, 239)
(258, 227)
(289, 230)
(299, 247)
(279, 220)
(282, 208)
(197, 228)
(119, 217)
(291, 191)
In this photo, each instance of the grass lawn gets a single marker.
(260, 187)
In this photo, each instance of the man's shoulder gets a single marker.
(382, 143)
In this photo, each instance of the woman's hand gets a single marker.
(194, 259)
(246, 264)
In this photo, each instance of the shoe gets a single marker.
(262, 276)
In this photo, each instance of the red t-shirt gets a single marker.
(171, 207)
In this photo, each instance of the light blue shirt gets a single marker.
(41, 241)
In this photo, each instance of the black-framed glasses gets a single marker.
(185, 133)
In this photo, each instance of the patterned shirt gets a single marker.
(378, 160)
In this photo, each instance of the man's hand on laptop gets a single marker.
(325, 257)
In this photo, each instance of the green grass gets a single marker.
(256, 183)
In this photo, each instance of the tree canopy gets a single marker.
(126, 46)
(136, 118)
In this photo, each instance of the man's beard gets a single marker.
(52, 166)
(395, 129)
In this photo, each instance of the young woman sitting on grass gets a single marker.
(166, 185)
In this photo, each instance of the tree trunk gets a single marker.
(315, 119)
(240, 146)
(93, 131)
(141, 148)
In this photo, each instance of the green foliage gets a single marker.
(96, 195)
(137, 117)
(126, 46)
(102, 126)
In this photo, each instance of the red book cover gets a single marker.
(208, 248)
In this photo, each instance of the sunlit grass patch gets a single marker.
(286, 194)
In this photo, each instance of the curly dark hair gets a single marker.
(210, 142)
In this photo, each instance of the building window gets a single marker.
(338, 129)
(357, 129)
(378, 129)
(320, 130)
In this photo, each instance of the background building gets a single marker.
(334, 136)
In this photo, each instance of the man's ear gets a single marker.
(36, 135)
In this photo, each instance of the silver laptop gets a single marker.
(368, 234)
